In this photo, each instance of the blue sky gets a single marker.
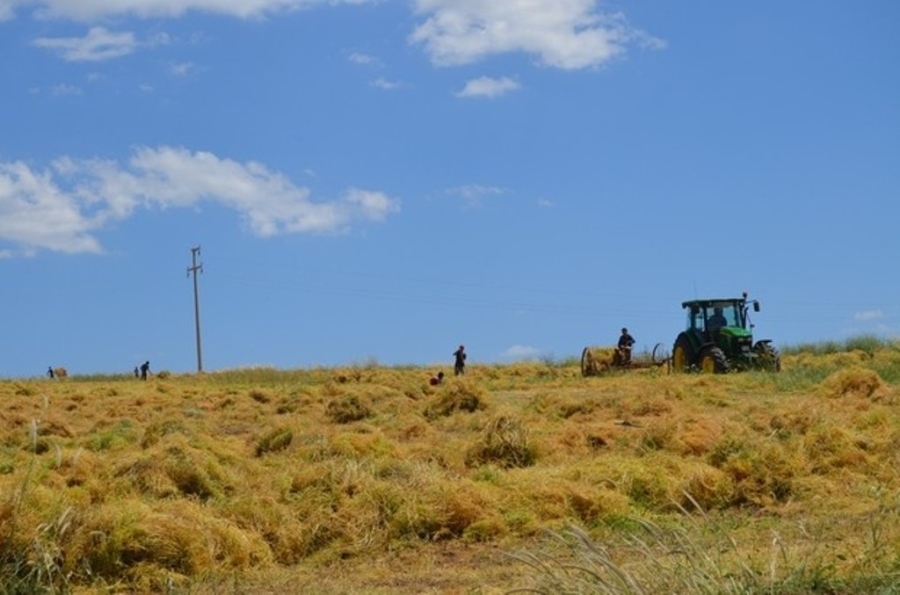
(380, 181)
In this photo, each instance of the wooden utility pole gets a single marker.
(195, 251)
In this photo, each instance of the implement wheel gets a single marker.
(659, 354)
(587, 362)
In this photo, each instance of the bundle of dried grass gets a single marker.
(459, 395)
(346, 409)
(505, 443)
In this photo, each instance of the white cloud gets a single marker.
(99, 44)
(568, 34)
(62, 209)
(546, 203)
(35, 214)
(95, 10)
(488, 87)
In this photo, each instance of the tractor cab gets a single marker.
(710, 316)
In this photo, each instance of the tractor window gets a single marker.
(721, 315)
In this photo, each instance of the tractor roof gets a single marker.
(713, 302)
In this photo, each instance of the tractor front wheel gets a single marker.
(713, 361)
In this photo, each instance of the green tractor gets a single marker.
(719, 339)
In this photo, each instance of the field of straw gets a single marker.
(524, 477)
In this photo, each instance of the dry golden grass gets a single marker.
(370, 480)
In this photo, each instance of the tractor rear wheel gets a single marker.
(713, 361)
(768, 357)
(682, 355)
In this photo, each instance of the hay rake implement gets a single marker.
(597, 360)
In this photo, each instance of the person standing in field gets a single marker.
(50, 372)
(459, 363)
(145, 369)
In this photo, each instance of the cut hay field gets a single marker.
(526, 476)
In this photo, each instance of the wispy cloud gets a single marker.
(98, 44)
(362, 59)
(64, 89)
(569, 35)
(522, 353)
(488, 87)
(868, 316)
(475, 194)
(96, 10)
(65, 206)
(182, 69)
(386, 85)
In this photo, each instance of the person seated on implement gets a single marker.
(623, 348)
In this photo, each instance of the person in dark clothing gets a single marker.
(145, 369)
(459, 364)
(625, 343)
(717, 320)
(50, 372)
(137, 372)
(437, 379)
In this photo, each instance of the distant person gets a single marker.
(137, 372)
(626, 341)
(459, 363)
(145, 370)
(50, 372)
(436, 379)
(717, 320)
